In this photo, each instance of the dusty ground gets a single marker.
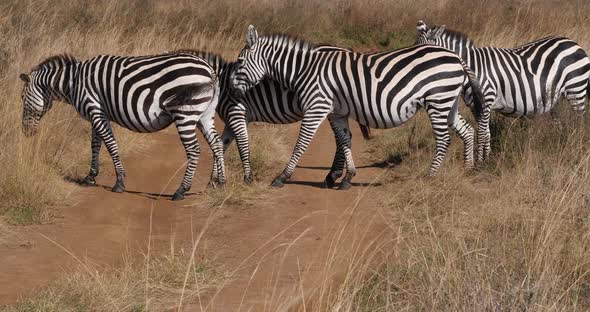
(271, 247)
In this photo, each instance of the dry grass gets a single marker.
(269, 152)
(512, 237)
(34, 170)
(92, 288)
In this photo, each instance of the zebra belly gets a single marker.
(393, 115)
(525, 106)
(157, 121)
(274, 117)
(161, 121)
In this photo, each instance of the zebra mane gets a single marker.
(287, 39)
(329, 48)
(455, 34)
(60, 59)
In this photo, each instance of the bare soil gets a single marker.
(275, 248)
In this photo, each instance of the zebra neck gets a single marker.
(469, 57)
(224, 72)
(221, 67)
(294, 68)
(65, 82)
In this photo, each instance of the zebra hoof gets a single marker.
(211, 185)
(344, 185)
(177, 196)
(329, 181)
(88, 181)
(248, 180)
(277, 183)
(119, 187)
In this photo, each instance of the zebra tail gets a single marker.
(478, 96)
(366, 131)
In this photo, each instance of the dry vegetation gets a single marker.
(128, 288)
(512, 237)
(269, 152)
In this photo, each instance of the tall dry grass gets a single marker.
(512, 237)
(34, 170)
(35, 29)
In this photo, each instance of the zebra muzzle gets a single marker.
(30, 128)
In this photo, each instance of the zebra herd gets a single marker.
(281, 79)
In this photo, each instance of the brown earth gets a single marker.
(276, 248)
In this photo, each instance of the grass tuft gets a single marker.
(269, 153)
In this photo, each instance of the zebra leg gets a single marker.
(239, 126)
(576, 95)
(187, 131)
(207, 127)
(439, 117)
(89, 180)
(337, 169)
(466, 133)
(343, 139)
(102, 127)
(366, 131)
(341, 136)
(227, 137)
(483, 136)
(310, 123)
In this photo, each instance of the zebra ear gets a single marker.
(25, 78)
(251, 36)
(421, 26)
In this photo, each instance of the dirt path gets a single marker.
(275, 248)
(99, 226)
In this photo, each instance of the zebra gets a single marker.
(378, 90)
(143, 94)
(267, 102)
(521, 82)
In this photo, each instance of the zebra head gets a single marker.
(36, 101)
(443, 37)
(251, 68)
(47, 81)
(430, 35)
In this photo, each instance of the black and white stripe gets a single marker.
(523, 81)
(142, 94)
(380, 90)
(267, 102)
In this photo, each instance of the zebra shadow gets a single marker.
(321, 184)
(153, 196)
(391, 162)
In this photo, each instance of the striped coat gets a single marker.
(379, 90)
(142, 94)
(524, 81)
